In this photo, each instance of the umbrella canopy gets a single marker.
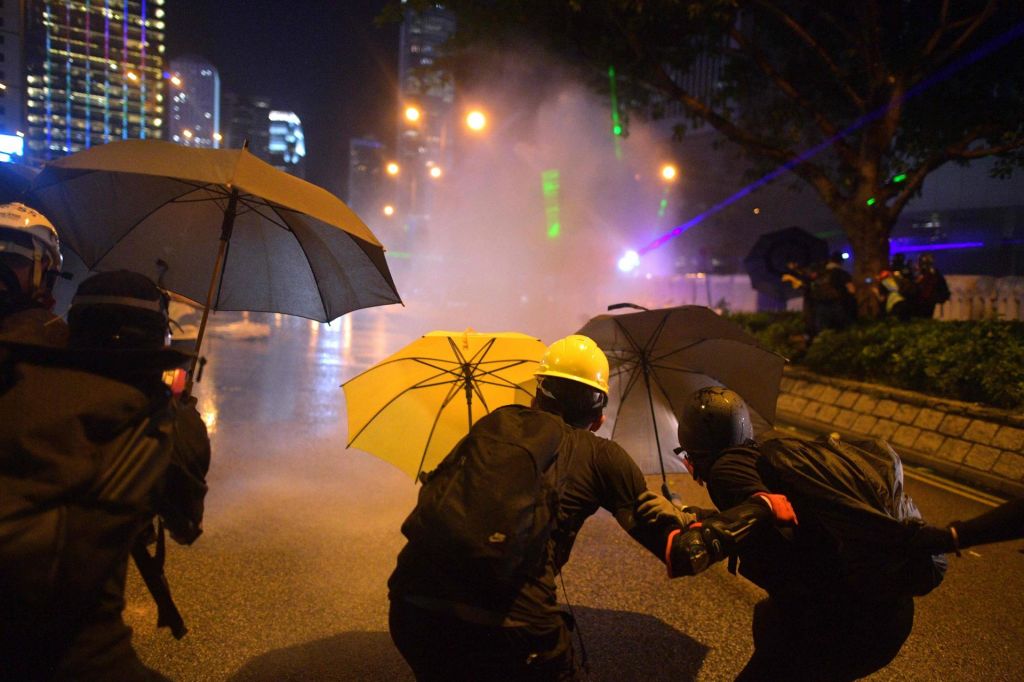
(413, 407)
(660, 357)
(14, 181)
(768, 258)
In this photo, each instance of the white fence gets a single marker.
(972, 297)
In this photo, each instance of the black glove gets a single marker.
(933, 540)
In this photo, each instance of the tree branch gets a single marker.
(824, 124)
(818, 49)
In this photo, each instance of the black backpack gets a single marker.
(486, 514)
(852, 493)
(79, 457)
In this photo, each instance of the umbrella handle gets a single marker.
(617, 306)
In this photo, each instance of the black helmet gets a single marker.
(712, 420)
(120, 309)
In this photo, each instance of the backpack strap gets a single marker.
(151, 568)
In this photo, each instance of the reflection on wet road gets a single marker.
(288, 581)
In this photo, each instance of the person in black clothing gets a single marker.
(30, 262)
(814, 625)
(444, 636)
(117, 450)
(930, 288)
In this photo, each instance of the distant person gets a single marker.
(801, 279)
(30, 263)
(99, 449)
(449, 621)
(832, 290)
(931, 288)
(823, 527)
(892, 291)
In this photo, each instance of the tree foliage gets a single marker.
(880, 92)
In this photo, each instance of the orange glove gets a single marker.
(783, 511)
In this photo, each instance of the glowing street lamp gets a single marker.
(476, 120)
(435, 172)
(391, 168)
(629, 261)
(412, 114)
(669, 172)
(389, 210)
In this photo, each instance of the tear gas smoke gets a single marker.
(527, 227)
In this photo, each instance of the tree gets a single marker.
(860, 99)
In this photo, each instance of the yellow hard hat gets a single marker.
(576, 358)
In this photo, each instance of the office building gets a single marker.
(427, 108)
(93, 73)
(193, 109)
(287, 144)
(246, 120)
(366, 176)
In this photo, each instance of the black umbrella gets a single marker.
(14, 181)
(767, 260)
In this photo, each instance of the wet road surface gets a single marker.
(288, 581)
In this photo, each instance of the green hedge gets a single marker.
(979, 362)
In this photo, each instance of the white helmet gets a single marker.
(44, 245)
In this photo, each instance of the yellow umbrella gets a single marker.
(413, 407)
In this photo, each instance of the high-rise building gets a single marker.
(12, 82)
(287, 144)
(365, 175)
(193, 112)
(246, 120)
(427, 100)
(93, 73)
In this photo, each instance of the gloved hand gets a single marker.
(781, 508)
(933, 540)
(654, 508)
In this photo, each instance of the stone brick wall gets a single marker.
(980, 445)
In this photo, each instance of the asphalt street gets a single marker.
(288, 582)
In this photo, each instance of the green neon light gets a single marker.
(550, 187)
(871, 201)
(616, 122)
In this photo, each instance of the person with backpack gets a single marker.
(99, 448)
(30, 263)
(931, 288)
(832, 291)
(823, 526)
(473, 595)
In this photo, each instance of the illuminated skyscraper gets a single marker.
(287, 145)
(93, 72)
(365, 175)
(193, 109)
(246, 119)
(423, 149)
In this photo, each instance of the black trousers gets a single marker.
(440, 647)
(826, 639)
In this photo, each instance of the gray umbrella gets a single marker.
(659, 357)
(215, 225)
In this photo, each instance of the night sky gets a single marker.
(324, 59)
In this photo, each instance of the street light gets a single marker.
(391, 168)
(435, 172)
(412, 114)
(669, 172)
(476, 120)
(389, 210)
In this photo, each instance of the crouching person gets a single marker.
(824, 527)
(88, 456)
